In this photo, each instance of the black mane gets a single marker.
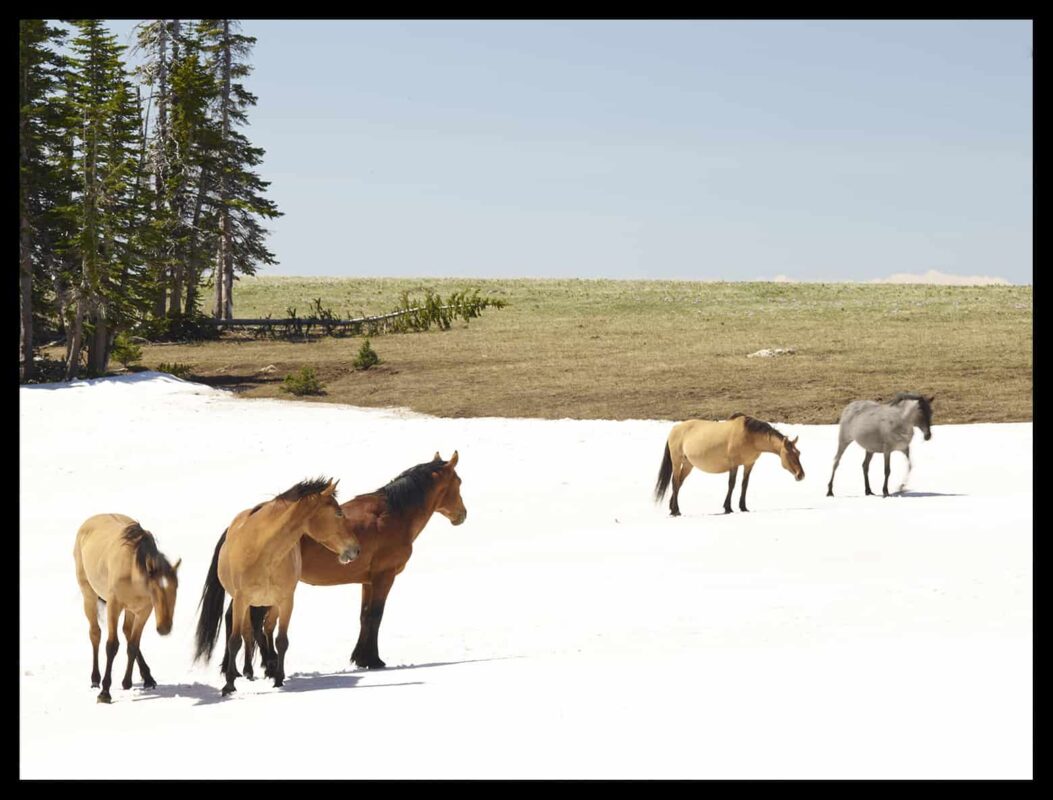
(757, 425)
(411, 487)
(146, 551)
(304, 488)
(923, 403)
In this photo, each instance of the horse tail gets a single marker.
(664, 474)
(211, 608)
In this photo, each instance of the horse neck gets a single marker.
(414, 519)
(768, 443)
(289, 528)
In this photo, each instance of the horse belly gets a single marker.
(709, 457)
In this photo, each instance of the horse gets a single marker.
(883, 428)
(118, 564)
(386, 522)
(257, 562)
(722, 447)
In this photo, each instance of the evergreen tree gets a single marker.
(39, 72)
(239, 190)
(109, 213)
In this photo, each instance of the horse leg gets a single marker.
(903, 486)
(733, 473)
(866, 471)
(228, 626)
(249, 641)
(381, 586)
(285, 609)
(144, 669)
(113, 615)
(841, 445)
(888, 463)
(241, 608)
(91, 611)
(678, 480)
(133, 631)
(263, 628)
(358, 655)
(746, 470)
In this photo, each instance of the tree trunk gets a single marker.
(225, 259)
(25, 277)
(98, 345)
(74, 340)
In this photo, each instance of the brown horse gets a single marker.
(118, 563)
(387, 522)
(722, 447)
(257, 562)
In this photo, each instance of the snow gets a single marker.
(569, 628)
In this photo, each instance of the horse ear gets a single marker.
(436, 457)
(330, 490)
(151, 567)
(793, 441)
(453, 460)
(175, 567)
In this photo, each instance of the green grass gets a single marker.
(650, 349)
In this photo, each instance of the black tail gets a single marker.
(211, 608)
(664, 474)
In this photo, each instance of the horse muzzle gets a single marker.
(460, 519)
(928, 436)
(164, 630)
(349, 555)
(800, 477)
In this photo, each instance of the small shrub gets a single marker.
(366, 357)
(176, 369)
(125, 351)
(303, 382)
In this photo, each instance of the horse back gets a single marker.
(99, 553)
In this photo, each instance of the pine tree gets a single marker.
(109, 212)
(40, 71)
(239, 191)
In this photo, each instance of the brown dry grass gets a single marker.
(650, 349)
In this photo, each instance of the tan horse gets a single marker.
(387, 522)
(257, 562)
(722, 447)
(119, 564)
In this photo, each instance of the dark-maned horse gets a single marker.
(257, 562)
(119, 563)
(882, 428)
(386, 522)
(722, 447)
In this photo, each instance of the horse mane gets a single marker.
(410, 488)
(755, 425)
(304, 488)
(923, 403)
(146, 550)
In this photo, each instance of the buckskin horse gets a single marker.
(722, 447)
(118, 563)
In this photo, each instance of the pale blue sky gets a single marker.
(646, 149)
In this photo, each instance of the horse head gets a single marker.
(450, 504)
(791, 457)
(162, 582)
(326, 525)
(921, 413)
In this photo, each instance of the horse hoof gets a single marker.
(104, 697)
(727, 510)
(126, 684)
(94, 684)
(829, 492)
(149, 683)
(228, 690)
(278, 683)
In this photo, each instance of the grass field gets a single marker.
(649, 349)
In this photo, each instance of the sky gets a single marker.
(699, 150)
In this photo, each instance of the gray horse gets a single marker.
(882, 428)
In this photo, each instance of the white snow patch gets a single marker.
(569, 629)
